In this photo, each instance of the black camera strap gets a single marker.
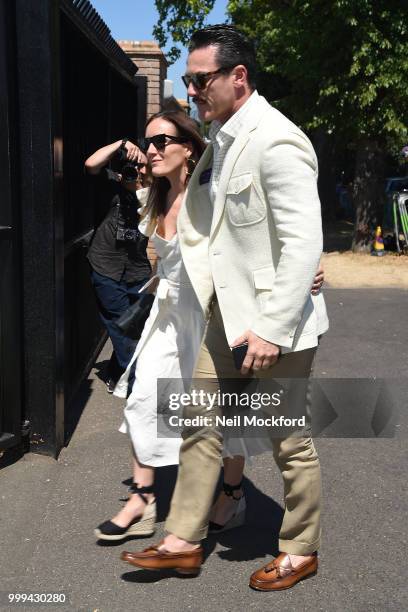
(117, 211)
(124, 233)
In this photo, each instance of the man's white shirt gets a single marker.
(223, 135)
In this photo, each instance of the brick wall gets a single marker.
(152, 63)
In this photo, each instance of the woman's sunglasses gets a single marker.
(160, 141)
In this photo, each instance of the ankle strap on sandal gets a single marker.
(229, 489)
(134, 488)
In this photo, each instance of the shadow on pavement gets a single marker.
(100, 369)
(260, 534)
(149, 576)
(75, 409)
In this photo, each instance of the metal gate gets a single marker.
(66, 89)
(10, 299)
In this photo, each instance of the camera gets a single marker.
(128, 169)
(125, 233)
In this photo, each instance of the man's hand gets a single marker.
(318, 280)
(261, 354)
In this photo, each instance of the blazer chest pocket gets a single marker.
(243, 204)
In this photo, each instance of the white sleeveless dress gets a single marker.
(168, 348)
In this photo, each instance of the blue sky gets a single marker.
(134, 20)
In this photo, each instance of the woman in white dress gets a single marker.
(170, 340)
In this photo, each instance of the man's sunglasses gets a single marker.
(200, 79)
(159, 141)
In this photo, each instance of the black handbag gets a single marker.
(132, 321)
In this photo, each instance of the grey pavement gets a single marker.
(49, 508)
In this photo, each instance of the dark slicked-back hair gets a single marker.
(233, 48)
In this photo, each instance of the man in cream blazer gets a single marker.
(251, 240)
(258, 247)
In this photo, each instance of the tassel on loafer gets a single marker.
(280, 574)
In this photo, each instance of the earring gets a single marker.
(191, 164)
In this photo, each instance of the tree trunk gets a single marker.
(368, 193)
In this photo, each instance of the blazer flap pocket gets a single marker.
(239, 183)
(264, 277)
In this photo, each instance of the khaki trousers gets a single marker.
(201, 452)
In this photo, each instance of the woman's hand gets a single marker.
(318, 280)
(155, 283)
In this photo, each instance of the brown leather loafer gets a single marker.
(279, 574)
(188, 562)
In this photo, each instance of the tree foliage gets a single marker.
(345, 61)
(179, 18)
(344, 69)
(339, 66)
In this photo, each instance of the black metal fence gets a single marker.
(69, 90)
(10, 285)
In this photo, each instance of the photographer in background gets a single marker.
(117, 253)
